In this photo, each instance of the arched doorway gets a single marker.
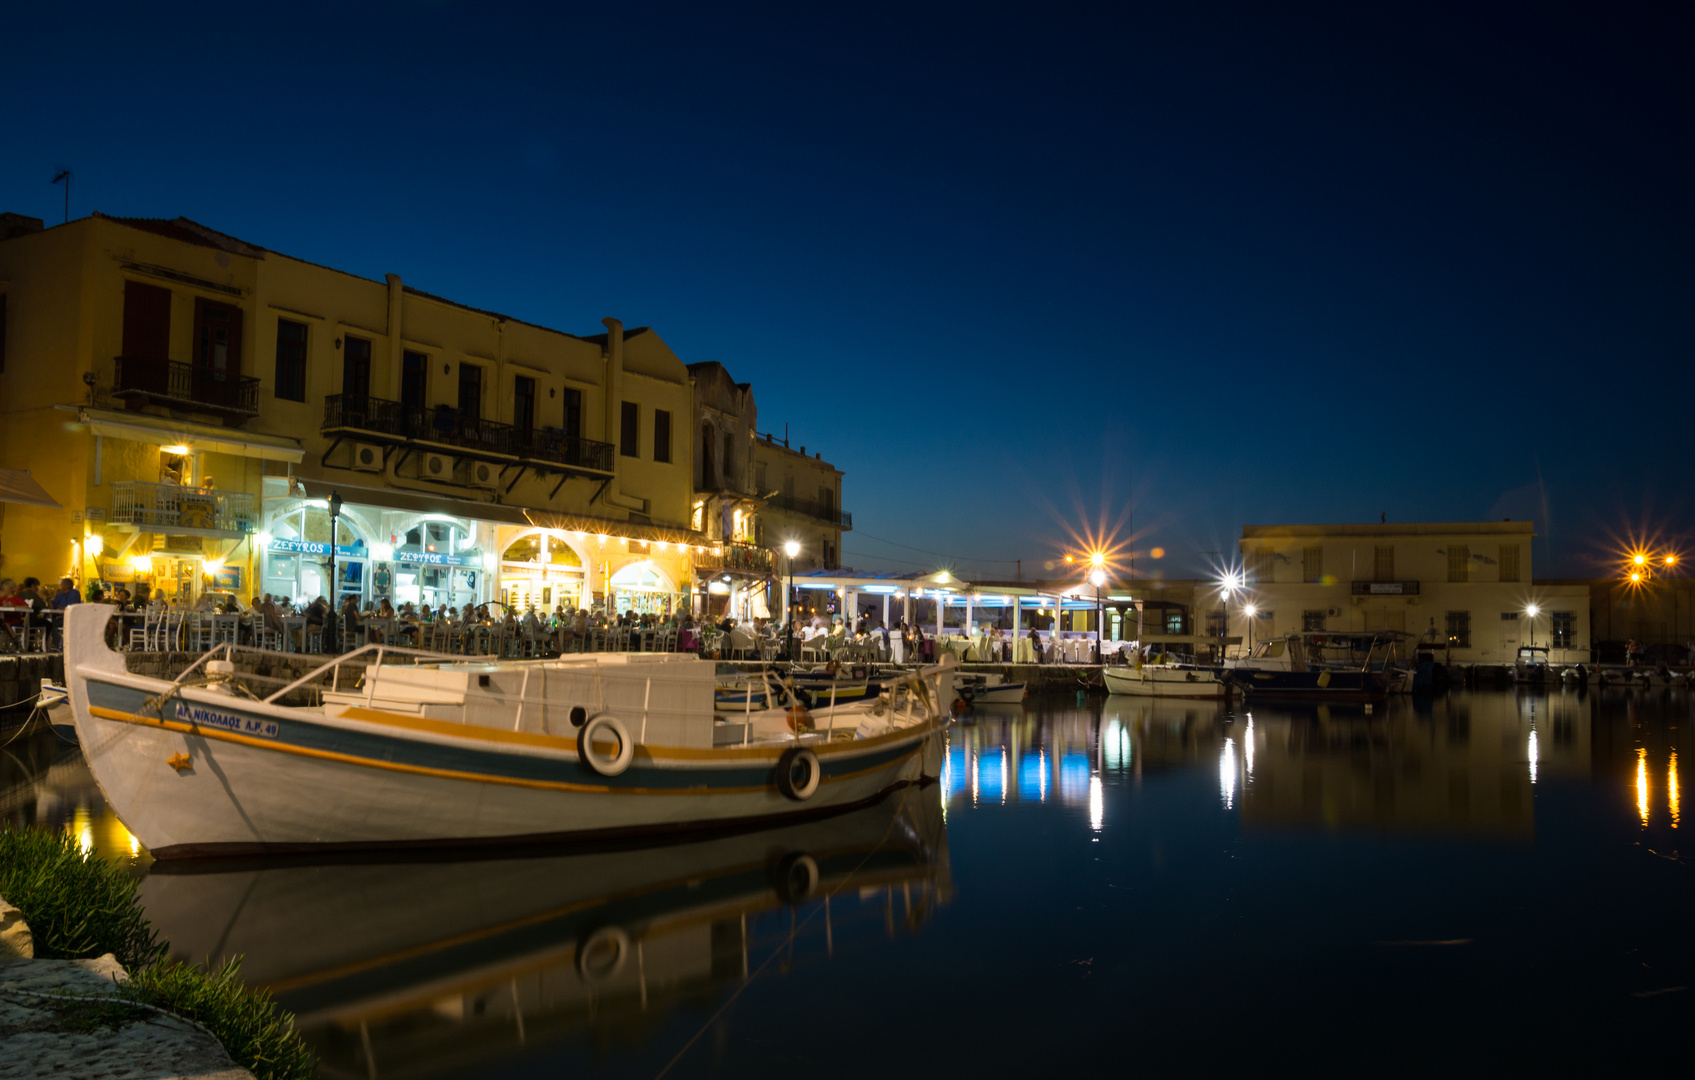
(643, 588)
(541, 569)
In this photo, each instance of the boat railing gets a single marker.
(333, 665)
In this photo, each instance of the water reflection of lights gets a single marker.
(82, 827)
(1033, 777)
(1248, 748)
(1115, 745)
(1642, 784)
(1097, 803)
(990, 779)
(1227, 773)
(1671, 790)
(1533, 755)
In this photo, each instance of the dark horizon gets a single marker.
(1234, 265)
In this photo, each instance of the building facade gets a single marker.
(1467, 585)
(735, 576)
(802, 499)
(194, 401)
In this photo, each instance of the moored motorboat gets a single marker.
(1320, 666)
(446, 752)
(1168, 670)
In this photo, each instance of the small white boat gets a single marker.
(989, 689)
(447, 752)
(1165, 680)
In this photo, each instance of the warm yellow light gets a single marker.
(1635, 576)
(1642, 784)
(1097, 558)
(179, 451)
(143, 563)
(1098, 578)
(1640, 560)
(1533, 611)
(1158, 553)
(1250, 611)
(1670, 559)
(214, 565)
(1069, 559)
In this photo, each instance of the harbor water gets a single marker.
(1488, 880)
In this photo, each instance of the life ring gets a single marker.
(800, 720)
(796, 878)
(832, 667)
(590, 756)
(798, 773)
(601, 955)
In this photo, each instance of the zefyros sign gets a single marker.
(314, 547)
(437, 558)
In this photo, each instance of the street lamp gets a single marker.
(1098, 579)
(1250, 611)
(791, 549)
(332, 636)
(1533, 611)
(1229, 585)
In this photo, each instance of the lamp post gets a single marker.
(791, 549)
(332, 636)
(1533, 611)
(1098, 579)
(1250, 611)
(1229, 585)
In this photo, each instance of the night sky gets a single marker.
(1006, 268)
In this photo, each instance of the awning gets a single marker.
(18, 486)
(416, 502)
(159, 431)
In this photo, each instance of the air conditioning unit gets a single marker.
(484, 475)
(367, 457)
(435, 467)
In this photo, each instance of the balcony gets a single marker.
(195, 511)
(747, 558)
(141, 381)
(364, 415)
(1385, 588)
(812, 509)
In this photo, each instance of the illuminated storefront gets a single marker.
(543, 570)
(641, 587)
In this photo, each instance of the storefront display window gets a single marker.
(437, 563)
(640, 587)
(541, 570)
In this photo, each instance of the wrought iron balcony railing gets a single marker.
(1385, 588)
(166, 506)
(812, 509)
(443, 424)
(745, 557)
(169, 382)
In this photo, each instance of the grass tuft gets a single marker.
(77, 908)
(258, 1035)
(80, 907)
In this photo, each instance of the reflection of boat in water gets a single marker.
(415, 968)
(988, 689)
(445, 751)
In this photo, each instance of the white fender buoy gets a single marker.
(798, 773)
(605, 725)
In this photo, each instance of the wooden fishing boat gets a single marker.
(439, 751)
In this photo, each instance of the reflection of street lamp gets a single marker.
(791, 549)
(1250, 611)
(1533, 611)
(1098, 579)
(331, 630)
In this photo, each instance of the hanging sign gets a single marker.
(313, 547)
(438, 558)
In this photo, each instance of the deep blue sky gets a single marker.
(1251, 264)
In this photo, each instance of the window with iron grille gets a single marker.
(1459, 562)
(1215, 624)
(1509, 562)
(1383, 563)
(1312, 564)
(1565, 627)
(1265, 565)
(1459, 629)
(1312, 620)
(291, 361)
(1174, 621)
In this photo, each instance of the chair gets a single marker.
(200, 633)
(741, 644)
(226, 630)
(144, 638)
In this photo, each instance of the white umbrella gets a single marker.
(18, 486)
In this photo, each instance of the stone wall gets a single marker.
(20, 680)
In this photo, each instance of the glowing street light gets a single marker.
(1250, 611)
(791, 548)
(1533, 611)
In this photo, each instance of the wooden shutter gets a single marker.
(147, 321)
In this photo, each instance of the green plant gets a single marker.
(77, 907)
(258, 1035)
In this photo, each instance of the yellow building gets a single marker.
(733, 577)
(1467, 584)
(194, 400)
(803, 498)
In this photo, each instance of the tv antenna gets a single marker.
(65, 175)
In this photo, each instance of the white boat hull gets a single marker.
(210, 773)
(1173, 682)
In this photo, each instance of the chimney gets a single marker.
(12, 224)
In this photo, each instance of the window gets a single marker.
(1509, 562)
(1312, 564)
(730, 460)
(414, 379)
(1265, 565)
(573, 412)
(1215, 624)
(470, 392)
(523, 403)
(661, 435)
(758, 477)
(829, 555)
(356, 367)
(147, 321)
(1174, 621)
(1383, 563)
(291, 360)
(629, 430)
(1565, 626)
(827, 501)
(1459, 629)
(217, 337)
(1459, 562)
(1312, 620)
(708, 475)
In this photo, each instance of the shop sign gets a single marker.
(438, 558)
(313, 547)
